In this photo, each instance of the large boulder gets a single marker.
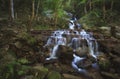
(82, 51)
(65, 54)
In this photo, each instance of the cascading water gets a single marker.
(92, 43)
(77, 60)
(71, 25)
(75, 43)
(59, 40)
(77, 39)
(53, 54)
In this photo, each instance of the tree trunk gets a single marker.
(90, 4)
(112, 5)
(37, 10)
(33, 10)
(11, 10)
(104, 10)
(85, 8)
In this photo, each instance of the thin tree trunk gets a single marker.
(90, 5)
(112, 3)
(104, 10)
(32, 16)
(37, 10)
(85, 8)
(11, 10)
(33, 10)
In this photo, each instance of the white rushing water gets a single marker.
(59, 40)
(76, 41)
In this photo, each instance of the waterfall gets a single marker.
(76, 40)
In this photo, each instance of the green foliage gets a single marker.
(23, 61)
(54, 11)
(9, 67)
(93, 19)
(13, 70)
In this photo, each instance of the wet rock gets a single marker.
(65, 54)
(82, 51)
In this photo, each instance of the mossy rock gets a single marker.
(39, 72)
(54, 75)
(104, 64)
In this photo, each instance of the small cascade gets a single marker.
(50, 41)
(75, 43)
(92, 43)
(71, 25)
(76, 61)
(53, 54)
(59, 40)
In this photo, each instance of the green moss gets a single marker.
(54, 75)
